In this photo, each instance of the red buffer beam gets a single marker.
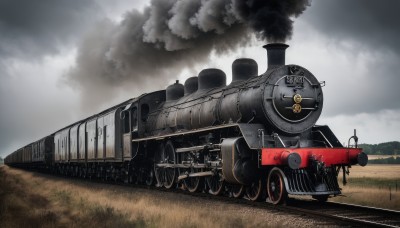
(300, 157)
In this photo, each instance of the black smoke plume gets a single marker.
(270, 19)
(147, 48)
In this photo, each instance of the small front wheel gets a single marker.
(276, 186)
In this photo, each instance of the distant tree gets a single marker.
(1, 160)
(387, 148)
(390, 160)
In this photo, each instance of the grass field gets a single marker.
(372, 185)
(37, 200)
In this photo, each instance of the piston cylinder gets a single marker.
(238, 167)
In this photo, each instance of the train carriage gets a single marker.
(110, 136)
(91, 131)
(42, 153)
(74, 143)
(27, 154)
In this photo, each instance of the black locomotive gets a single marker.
(256, 136)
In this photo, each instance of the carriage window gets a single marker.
(126, 120)
(145, 109)
(134, 118)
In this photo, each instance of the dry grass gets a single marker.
(75, 203)
(376, 157)
(372, 185)
(376, 171)
(36, 200)
(26, 201)
(369, 196)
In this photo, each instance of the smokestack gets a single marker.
(276, 54)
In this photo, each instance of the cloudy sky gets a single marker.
(62, 60)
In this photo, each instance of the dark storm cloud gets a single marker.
(31, 29)
(368, 32)
(151, 47)
(373, 24)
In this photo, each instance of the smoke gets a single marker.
(147, 48)
(270, 19)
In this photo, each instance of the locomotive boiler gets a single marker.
(255, 137)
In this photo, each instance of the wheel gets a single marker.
(159, 172)
(276, 186)
(165, 174)
(193, 184)
(321, 198)
(149, 177)
(114, 174)
(170, 172)
(254, 190)
(216, 184)
(89, 172)
(237, 191)
(131, 176)
(84, 172)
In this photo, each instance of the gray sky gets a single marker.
(352, 45)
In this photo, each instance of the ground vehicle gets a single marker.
(255, 136)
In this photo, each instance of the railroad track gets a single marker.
(349, 213)
(336, 213)
(332, 213)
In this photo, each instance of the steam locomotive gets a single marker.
(255, 137)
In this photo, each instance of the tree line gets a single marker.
(387, 148)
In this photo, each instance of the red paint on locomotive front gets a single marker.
(330, 156)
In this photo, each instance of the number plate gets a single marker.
(294, 80)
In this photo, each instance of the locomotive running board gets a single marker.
(182, 133)
(249, 132)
